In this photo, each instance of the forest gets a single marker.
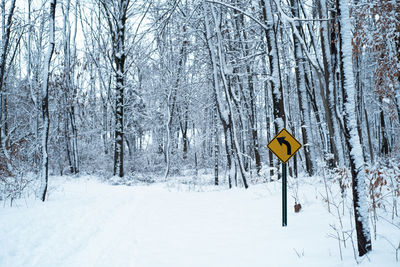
(144, 91)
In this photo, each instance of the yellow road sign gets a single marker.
(284, 145)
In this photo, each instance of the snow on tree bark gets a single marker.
(352, 137)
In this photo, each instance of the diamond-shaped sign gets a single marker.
(284, 145)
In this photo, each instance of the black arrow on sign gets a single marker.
(282, 141)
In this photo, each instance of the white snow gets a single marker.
(87, 223)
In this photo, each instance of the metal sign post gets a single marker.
(284, 195)
(284, 146)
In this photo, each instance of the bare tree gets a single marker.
(116, 13)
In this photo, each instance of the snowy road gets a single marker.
(86, 223)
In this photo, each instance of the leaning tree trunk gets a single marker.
(45, 104)
(352, 138)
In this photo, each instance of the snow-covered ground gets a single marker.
(89, 223)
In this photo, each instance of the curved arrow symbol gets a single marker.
(282, 141)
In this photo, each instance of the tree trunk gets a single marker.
(6, 29)
(229, 102)
(249, 97)
(119, 118)
(385, 141)
(352, 139)
(45, 104)
(69, 91)
(327, 95)
(301, 93)
(116, 15)
(226, 116)
(216, 144)
(276, 82)
(171, 103)
(371, 153)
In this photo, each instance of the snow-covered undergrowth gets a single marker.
(186, 221)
